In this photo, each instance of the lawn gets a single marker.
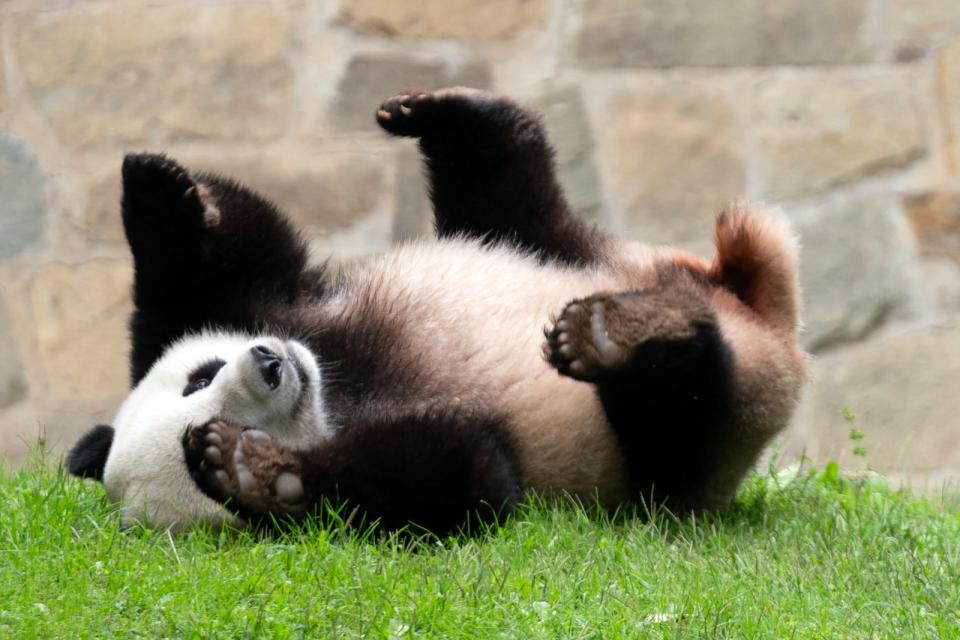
(801, 554)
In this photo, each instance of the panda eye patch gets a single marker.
(202, 376)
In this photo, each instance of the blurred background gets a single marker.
(845, 113)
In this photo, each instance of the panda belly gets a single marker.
(475, 317)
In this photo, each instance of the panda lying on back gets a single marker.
(418, 387)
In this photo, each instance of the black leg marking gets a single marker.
(491, 171)
(665, 378)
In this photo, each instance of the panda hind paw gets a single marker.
(245, 469)
(579, 345)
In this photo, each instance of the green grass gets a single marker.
(805, 555)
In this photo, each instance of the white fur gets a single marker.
(145, 470)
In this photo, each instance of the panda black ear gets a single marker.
(88, 457)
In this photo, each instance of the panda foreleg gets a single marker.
(206, 253)
(434, 471)
(491, 170)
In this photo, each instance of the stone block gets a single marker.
(101, 219)
(461, 19)
(949, 77)
(917, 25)
(80, 317)
(901, 391)
(565, 117)
(23, 207)
(855, 267)
(370, 78)
(934, 217)
(143, 73)
(13, 382)
(733, 33)
(814, 131)
(673, 159)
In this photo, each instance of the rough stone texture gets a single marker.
(80, 316)
(902, 391)
(147, 74)
(23, 207)
(13, 383)
(414, 214)
(565, 117)
(464, 19)
(949, 77)
(919, 24)
(675, 161)
(101, 219)
(672, 33)
(935, 220)
(814, 131)
(855, 267)
(369, 78)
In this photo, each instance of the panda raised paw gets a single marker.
(246, 469)
(159, 185)
(416, 113)
(579, 345)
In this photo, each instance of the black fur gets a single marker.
(491, 172)
(88, 457)
(436, 470)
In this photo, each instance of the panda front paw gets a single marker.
(417, 113)
(247, 470)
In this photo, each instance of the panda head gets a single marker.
(265, 382)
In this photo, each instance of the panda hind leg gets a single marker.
(638, 336)
(440, 473)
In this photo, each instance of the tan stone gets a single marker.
(673, 160)
(949, 74)
(370, 78)
(855, 266)
(814, 131)
(145, 73)
(80, 314)
(462, 19)
(318, 191)
(935, 219)
(669, 33)
(919, 24)
(903, 393)
(565, 118)
(101, 219)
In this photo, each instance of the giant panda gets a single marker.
(519, 350)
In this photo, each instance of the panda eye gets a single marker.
(202, 376)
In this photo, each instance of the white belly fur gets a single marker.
(475, 316)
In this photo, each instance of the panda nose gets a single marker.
(269, 364)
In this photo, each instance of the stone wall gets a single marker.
(846, 113)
